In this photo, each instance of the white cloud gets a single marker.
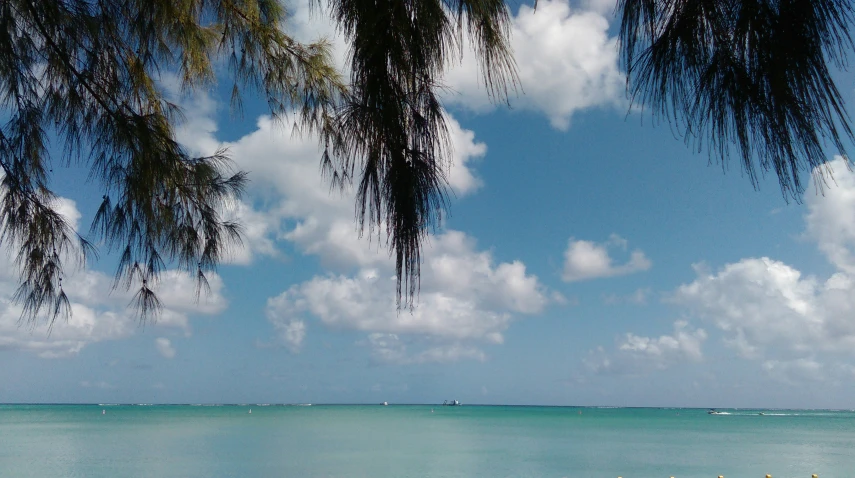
(196, 131)
(259, 233)
(590, 260)
(310, 23)
(798, 326)
(465, 151)
(66, 337)
(464, 295)
(636, 354)
(766, 307)
(164, 347)
(68, 210)
(566, 60)
(290, 330)
(98, 313)
(831, 216)
(286, 178)
(682, 345)
(795, 372)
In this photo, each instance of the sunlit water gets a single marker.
(412, 441)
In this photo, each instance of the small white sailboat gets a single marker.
(385, 403)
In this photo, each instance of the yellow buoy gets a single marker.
(813, 476)
(768, 476)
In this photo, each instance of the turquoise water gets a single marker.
(412, 441)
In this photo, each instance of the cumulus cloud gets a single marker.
(566, 59)
(67, 337)
(67, 208)
(310, 22)
(793, 323)
(465, 294)
(831, 217)
(164, 347)
(585, 260)
(765, 306)
(291, 331)
(795, 372)
(636, 354)
(259, 234)
(98, 313)
(287, 181)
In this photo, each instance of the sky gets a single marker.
(590, 257)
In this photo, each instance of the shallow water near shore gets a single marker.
(413, 441)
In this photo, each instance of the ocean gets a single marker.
(420, 441)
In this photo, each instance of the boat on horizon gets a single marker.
(450, 403)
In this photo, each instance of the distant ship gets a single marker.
(450, 403)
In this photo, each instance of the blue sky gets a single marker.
(590, 258)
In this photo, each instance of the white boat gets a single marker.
(385, 403)
(450, 403)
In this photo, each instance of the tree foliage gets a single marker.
(88, 75)
(393, 142)
(749, 77)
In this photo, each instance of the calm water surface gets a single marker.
(412, 441)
